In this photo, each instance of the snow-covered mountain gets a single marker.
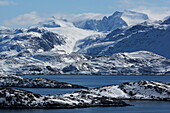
(118, 19)
(67, 33)
(48, 48)
(149, 36)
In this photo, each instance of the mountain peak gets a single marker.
(117, 13)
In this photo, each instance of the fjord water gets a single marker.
(92, 81)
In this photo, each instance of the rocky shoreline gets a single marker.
(112, 95)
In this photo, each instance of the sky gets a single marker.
(26, 12)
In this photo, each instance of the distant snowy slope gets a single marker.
(133, 18)
(3, 28)
(85, 16)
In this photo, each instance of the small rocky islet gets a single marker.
(15, 98)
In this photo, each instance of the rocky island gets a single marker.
(16, 81)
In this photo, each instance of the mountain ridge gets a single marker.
(148, 36)
(116, 20)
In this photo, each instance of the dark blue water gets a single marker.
(102, 80)
(49, 91)
(90, 81)
(97, 81)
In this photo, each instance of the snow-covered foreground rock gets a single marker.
(12, 98)
(141, 62)
(140, 90)
(103, 96)
(15, 81)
